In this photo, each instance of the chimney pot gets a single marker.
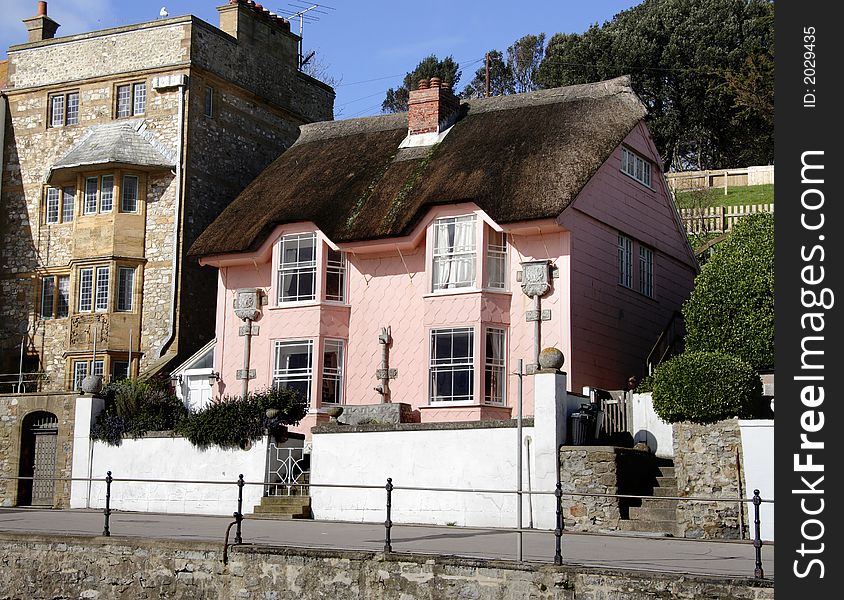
(435, 82)
(42, 8)
(432, 107)
(422, 85)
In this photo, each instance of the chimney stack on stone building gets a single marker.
(432, 107)
(40, 27)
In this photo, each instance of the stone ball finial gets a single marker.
(551, 359)
(92, 384)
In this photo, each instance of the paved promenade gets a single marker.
(730, 559)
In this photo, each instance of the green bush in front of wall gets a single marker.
(705, 387)
(135, 406)
(235, 421)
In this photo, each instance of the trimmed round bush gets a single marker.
(731, 309)
(704, 387)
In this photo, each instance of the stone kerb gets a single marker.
(707, 460)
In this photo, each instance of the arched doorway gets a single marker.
(39, 434)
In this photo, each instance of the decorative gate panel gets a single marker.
(288, 471)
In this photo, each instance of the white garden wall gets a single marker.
(444, 458)
(649, 428)
(757, 444)
(164, 457)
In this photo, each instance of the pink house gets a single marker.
(420, 222)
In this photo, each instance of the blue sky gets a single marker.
(367, 46)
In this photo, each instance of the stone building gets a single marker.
(119, 147)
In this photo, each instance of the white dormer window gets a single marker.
(637, 167)
(454, 253)
(297, 268)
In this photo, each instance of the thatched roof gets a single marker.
(519, 157)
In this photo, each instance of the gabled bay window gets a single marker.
(454, 253)
(308, 269)
(297, 268)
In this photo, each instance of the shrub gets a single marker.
(704, 387)
(233, 421)
(134, 407)
(731, 309)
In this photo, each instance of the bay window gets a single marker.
(454, 253)
(297, 268)
(495, 374)
(293, 367)
(496, 260)
(332, 372)
(452, 367)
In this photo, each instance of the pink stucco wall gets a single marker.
(604, 330)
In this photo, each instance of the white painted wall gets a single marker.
(649, 428)
(757, 444)
(177, 459)
(169, 458)
(461, 458)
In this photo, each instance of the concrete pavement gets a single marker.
(672, 555)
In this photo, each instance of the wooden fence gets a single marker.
(723, 178)
(719, 219)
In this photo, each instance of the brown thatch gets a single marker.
(517, 157)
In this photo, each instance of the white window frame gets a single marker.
(646, 271)
(625, 261)
(450, 366)
(86, 289)
(125, 289)
(139, 98)
(123, 105)
(106, 193)
(637, 167)
(101, 289)
(80, 372)
(68, 203)
(90, 196)
(51, 205)
(495, 367)
(336, 268)
(62, 303)
(57, 110)
(298, 268)
(451, 255)
(496, 255)
(283, 374)
(332, 376)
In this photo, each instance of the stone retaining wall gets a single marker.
(600, 470)
(706, 461)
(76, 567)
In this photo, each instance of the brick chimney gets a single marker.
(40, 27)
(432, 107)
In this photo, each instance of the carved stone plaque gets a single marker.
(82, 328)
(536, 280)
(247, 303)
(241, 374)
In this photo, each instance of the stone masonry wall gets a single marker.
(13, 410)
(706, 466)
(75, 567)
(600, 470)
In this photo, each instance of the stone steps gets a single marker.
(283, 508)
(656, 514)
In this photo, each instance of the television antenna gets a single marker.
(306, 13)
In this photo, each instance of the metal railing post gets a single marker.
(558, 530)
(238, 516)
(388, 544)
(107, 509)
(757, 539)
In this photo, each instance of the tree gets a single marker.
(446, 69)
(500, 78)
(318, 69)
(731, 308)
(688, 64)
(523, 59)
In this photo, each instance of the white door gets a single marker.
(198, 388)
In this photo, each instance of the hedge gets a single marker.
(731, 309)
(705, 387)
